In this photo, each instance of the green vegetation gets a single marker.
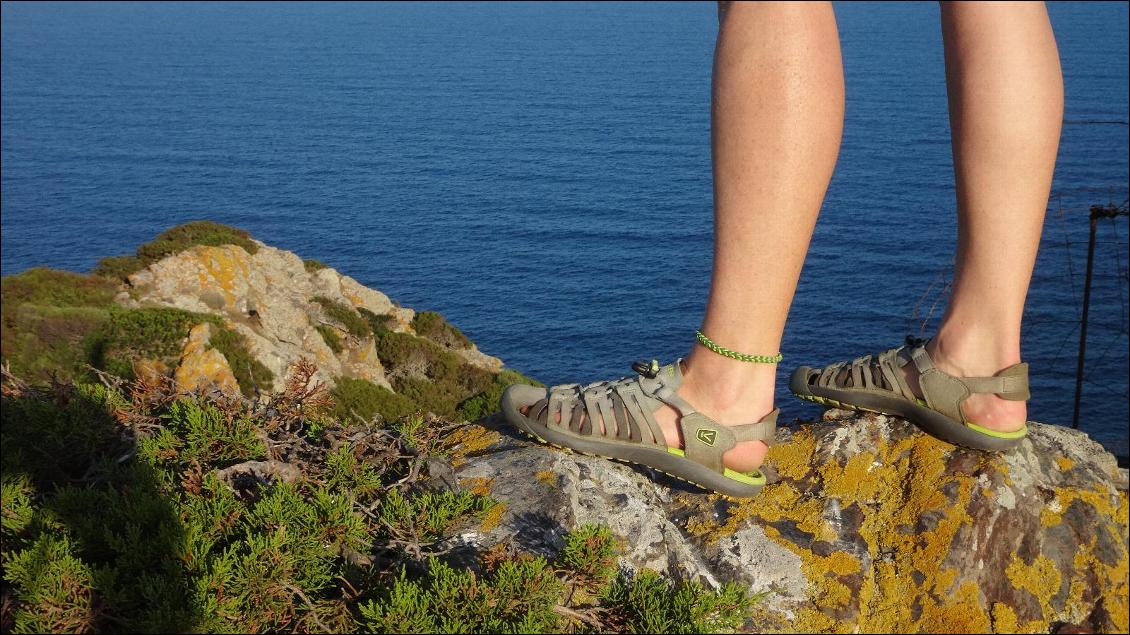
(174, 241)
(489, 401)
(366, 399)
(129, 509)
(330, 337)
(57, 322)
(380, 325)
(433, 326)
(344, 314)
(249, 372)
(312, 265)
(132, 334)
(44, 316)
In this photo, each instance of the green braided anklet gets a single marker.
(725, 352)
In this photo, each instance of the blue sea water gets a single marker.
(540, 172)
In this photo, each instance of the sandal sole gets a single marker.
(930, 421)
(644, 456)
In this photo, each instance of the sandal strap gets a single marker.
(946, 393)
(704, 439)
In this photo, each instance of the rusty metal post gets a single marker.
(1096, 212)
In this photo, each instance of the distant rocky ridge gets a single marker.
(277, 305)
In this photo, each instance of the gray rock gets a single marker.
(867, 525)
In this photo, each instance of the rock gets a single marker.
(267, 298)
(201, 367)
(868, 525)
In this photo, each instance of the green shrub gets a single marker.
(249, 372)
(649, 603)
(200, 232)
(346, 316)
(44, 316)
(132, 334)
(517, 597)
(131, 515)
(489, 401)
(367, 399)
(330, 337)
(51, 287)
(433, 326)
(589, 552)
(173, 241)
(312, 265)
(119, 267)
(378, 324)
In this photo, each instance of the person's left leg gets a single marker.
(777, 115)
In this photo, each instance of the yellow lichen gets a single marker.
(468, 440)
(1041, 579)
(493, 517)
(479, 485)
(548, 477)
(793, 460)
(1064, 463)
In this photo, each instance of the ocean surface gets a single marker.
(540, 173)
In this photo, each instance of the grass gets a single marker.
(129, 509)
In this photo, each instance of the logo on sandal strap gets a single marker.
(707, 436)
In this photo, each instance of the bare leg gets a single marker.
(778, 106)
(777, 115)
(1006, 109)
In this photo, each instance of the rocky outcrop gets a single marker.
(202, 367)
(270, 299)
(868, 525)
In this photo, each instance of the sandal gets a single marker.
(565, 416)
(876, 384)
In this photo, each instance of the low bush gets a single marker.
(312, 265)
(174, 241)
(330, 337)
(130, 509)
(346, 316)
(365, 399)
(250, 373)
(133, 334)
(433, 326)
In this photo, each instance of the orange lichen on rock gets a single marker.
(203, 367)
(467, 440)
(221, 266)
(493, 517)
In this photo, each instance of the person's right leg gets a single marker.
(1006, 109)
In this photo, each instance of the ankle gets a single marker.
(973, 354)
(729, 391)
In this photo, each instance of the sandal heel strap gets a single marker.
(764, 430)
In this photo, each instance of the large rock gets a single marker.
(268, 298)
(868, 525)
(202, 367)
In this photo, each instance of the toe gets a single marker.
(520, 396)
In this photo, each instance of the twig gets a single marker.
(577, 615)
(313, 612)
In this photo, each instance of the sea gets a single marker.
(540, 172)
